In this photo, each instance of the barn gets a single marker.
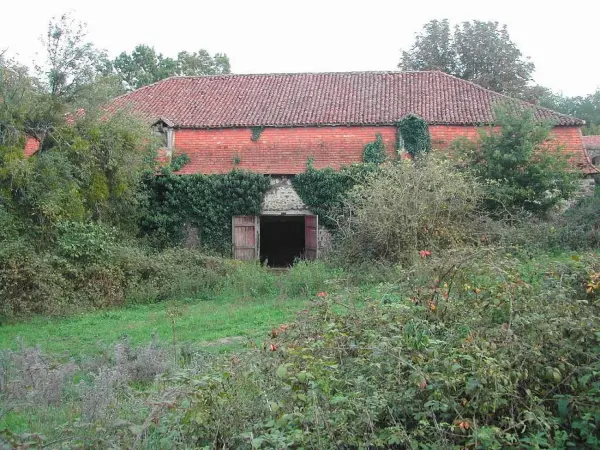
(274, 123)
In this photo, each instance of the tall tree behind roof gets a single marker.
(145, 66)
(477, 51)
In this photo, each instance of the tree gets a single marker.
(477, 51)
(145, 66)
(25, 106)
(517, 164)
(584, 107)
(433, 49)
(71, 61)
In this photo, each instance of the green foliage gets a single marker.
(145, 66)
(374, 152)
(415, 135)
(179, 161)
(86, 171)
(518, 165)
(256, 132)
(323, 190)
(205, 201)
(584, 107)
(478, 51)
(308, 278)
(85, 243)
(249, 280)
(72, 62)
(467, 350)
(407, 207)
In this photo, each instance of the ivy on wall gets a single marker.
(374, 152)
(324, 190)
(413, 135)
(256, 132)
(205, 201)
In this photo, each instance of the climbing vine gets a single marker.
(323, 190)
(256, 132)
(413, 134)
(204, 201)
(374, 152)
(178, 161)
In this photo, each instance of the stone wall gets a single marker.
(594, 154)
(282, 198)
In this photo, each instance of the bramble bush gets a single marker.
(405, 207)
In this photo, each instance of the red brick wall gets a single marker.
(569, 140)
(32, 145)
(277, 150)
(286, 150)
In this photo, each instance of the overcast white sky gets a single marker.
(263, 36)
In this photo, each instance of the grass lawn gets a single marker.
(195, 321)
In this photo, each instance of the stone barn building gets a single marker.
(274, 123)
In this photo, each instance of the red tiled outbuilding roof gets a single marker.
(320, 99)
(591, 142)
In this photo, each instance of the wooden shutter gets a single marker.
(245, 237)
(311, 237)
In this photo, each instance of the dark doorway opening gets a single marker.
(281, 240)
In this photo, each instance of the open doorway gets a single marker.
(282, 240)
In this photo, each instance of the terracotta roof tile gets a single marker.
(591, 142)
(308, 99)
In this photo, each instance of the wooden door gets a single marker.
(245, 237)
(311, 237)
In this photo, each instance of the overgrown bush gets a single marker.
(32, 378)
(407, 207)
(518, 165)
(250, 280)
(480, 351)
(71, 278)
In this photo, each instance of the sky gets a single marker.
(264, 36)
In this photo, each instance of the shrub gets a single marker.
(490, 353)
(580, 224)
(374, 152)
(518, 166)
(407, 207)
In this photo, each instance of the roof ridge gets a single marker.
(271, 74)
(263, 74)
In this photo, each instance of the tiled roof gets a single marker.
(591, 142)
(308, 99)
